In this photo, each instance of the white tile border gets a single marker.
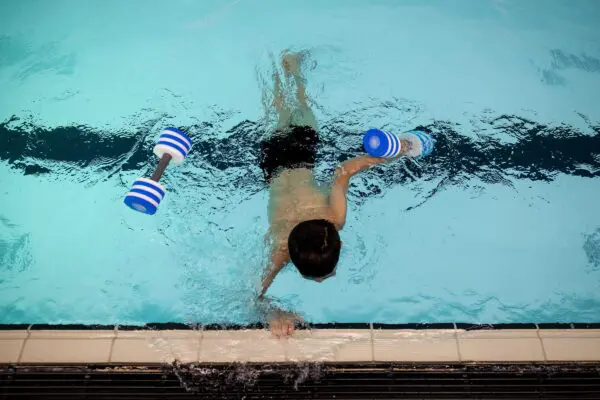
(317, 345)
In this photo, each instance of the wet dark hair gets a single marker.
(314, 248)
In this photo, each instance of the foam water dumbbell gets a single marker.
(378, 143)
(146, 193)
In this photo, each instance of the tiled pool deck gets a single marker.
(452, 343)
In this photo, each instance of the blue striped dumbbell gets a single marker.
(146, 194)
(378, 143)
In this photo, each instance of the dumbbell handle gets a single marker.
(160, 168)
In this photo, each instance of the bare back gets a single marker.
(294, 197)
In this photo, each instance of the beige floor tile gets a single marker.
(514, 349)
(251, 345)
(417, 346)
(238, 334)
(181, 334)
(152, 349)
(338, 333)
(10, 334)
(184, 344)
(10, 350)
(414, 334)
(572, 349)
(571, 333)
(307, 349)
(156, 334)
(328, 345)
(302, 334)
(498, 334)
(355, 351)
(328, 349)
(185, 350)
(157, 346)
(265, 349)
(66, 350)
(72, 334)
(143, 334)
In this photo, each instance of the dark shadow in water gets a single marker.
(534, 151)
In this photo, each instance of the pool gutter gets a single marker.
(505, 353)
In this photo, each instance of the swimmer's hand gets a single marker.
(341, 182)
(283, 323)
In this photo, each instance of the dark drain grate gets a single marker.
(307, 381)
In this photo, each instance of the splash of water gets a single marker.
(196, 378)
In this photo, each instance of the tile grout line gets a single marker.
(22, 349)
(200, 341)
(458, 353)
(541, 342)
(372, 341)
(112, 344)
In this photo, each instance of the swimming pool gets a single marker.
(501, 224)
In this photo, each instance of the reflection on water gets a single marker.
(591, 247)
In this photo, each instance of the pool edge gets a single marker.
(322, 345)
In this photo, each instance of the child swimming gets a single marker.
(304, 219)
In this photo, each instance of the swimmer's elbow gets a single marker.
(339, 219)
(342, 178)
(352, 167)
(339, 223)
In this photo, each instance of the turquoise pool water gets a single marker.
(500, 224)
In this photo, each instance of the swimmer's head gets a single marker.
(314, 248)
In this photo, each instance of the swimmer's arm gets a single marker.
(339, 190)
(281, 322)
(279, 258)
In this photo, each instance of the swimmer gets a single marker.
(304, 219)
